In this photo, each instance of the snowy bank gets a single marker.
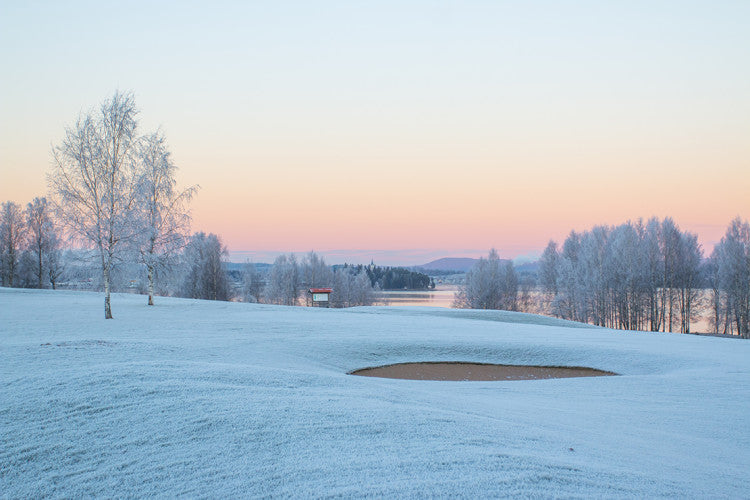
(195, 398)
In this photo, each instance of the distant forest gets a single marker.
(116, 221)
(394, 278)
(636, 276)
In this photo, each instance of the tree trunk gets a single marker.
(107, 306)
(150, 285)
(664, 308)
(717, 313)
(11, 266)
(39, 273)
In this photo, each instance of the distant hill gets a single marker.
(463, 264)
(237, 266)
(457, 264)
(528, 267)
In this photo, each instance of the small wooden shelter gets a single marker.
(320, 296)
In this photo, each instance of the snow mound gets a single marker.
(204, 399)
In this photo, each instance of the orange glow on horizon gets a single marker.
(496, 124)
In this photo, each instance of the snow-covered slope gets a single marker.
(193, 398)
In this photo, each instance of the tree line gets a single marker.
(113, 193)
(289, 280)
(114, 196)
(635, 276)
(393, 278)
(201, 274)
(30, 245)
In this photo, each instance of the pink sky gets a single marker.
(403, 131)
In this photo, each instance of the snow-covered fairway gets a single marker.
(207, 399)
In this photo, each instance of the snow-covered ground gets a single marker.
(210, 399)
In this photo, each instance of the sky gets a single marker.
(401, 131)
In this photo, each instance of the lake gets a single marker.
(442, 296)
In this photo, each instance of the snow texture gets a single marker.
(212, 399)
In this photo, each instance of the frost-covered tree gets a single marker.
(252, 283)
(361, 292)
(688, 279)
(526, 296)
(568, 302)
(351, 288)
(654, 264)
(314, 272)
(716, 299)
(26, 276)
(548, 268)
(54, 262)
(95, 181)
(619, 298)
(205, 276)
(162, 211)
(593, 279)
(284, 281)
(732, 260)
(43, 239)
(12, 237)
(490, 284)
(669, 242)
(509, 286)
(632, 276)
(342, 284)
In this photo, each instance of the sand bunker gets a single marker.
(476, 371)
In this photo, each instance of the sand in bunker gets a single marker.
(475, 371)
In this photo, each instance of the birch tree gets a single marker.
(632, 276)
(314, 272)
(11, 241)
(252, 283)
(95, 181)
(490, 284)
(351, 288)
(42, 238)
(162, 208)
(732, 256)
(342, 284)
(592, 278)
(567, 302)
(654, 264)
(284, 281)
(687, 279)
(205, 277)
(54, 262)
(670, 241)
(361, 292)
(548, 269)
